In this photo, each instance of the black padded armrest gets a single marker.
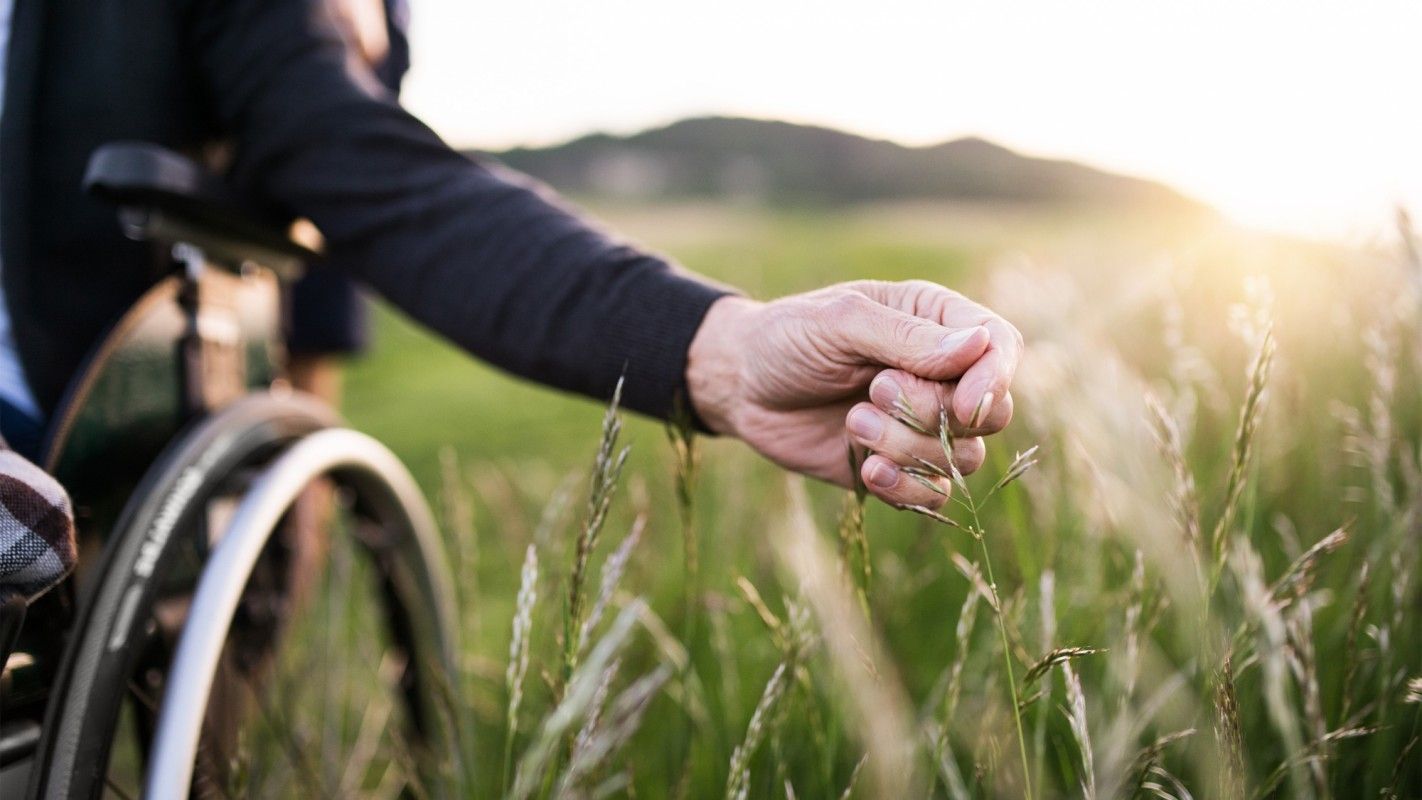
(155, 182)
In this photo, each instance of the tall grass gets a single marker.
(1203, 584)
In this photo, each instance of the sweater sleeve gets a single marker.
(484, 256)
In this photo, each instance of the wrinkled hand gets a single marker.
(794, 377)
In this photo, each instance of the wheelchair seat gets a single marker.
(168, 197)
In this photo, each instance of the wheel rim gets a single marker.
(87, 699)
(404, 542)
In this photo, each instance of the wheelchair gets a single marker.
(234, 538)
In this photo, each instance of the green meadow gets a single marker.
(1209, 405)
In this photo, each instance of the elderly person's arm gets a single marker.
(497, 264)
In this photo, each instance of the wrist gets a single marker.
(714, 362)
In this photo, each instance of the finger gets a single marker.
(901, 394)
(868, 331)
(888, 482)
(969, 454)
(986, 382)
(888, 437)
(880, 433)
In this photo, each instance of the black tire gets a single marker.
(157, 549)
(315, 693)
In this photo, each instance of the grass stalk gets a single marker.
(607, 470)
(738, 776)
(681, 434)
(1019, 466)
(1241, 454)
(1013, 472)
(853, 540)
(518, 654)
(1006, 656)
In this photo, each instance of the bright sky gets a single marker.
(1302, 116)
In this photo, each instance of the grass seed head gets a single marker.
(1059, 656)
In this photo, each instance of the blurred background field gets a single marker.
(1211, 402)
(1116, 300)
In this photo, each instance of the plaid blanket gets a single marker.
(36, 529)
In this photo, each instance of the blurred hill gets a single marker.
(761, 161)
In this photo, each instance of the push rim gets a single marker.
(403, 542)
(112, 634)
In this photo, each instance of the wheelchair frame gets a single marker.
(289, 441)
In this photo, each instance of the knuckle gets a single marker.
(846, 304)
(919, 285)
(859, 286)
(905, 329)
(789, 311)
(816, 317)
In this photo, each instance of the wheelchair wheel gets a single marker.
(272, 721)
(100, 725)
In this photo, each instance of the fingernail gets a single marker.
(957, 339)
(884, 391)
(883, 475)
(865, 425)
(980, 414)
